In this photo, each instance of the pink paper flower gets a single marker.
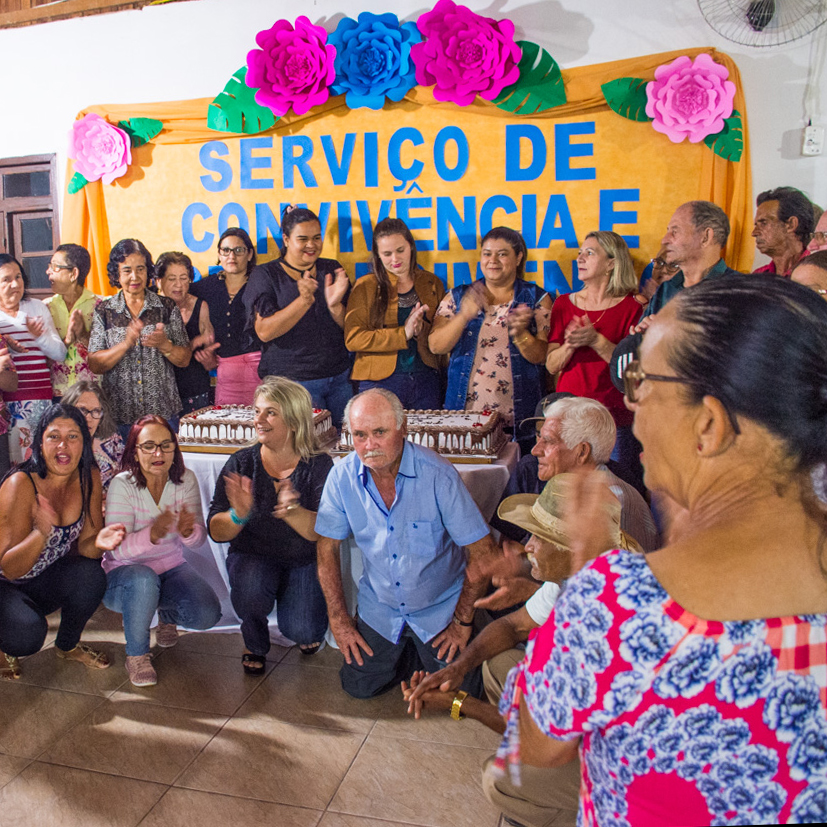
(99, 150)
(465, 55)
(690, 100)
(293, 67)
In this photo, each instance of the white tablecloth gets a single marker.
(485, 482)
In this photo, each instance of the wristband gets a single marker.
(238, 520)
(456, 705)
(462, 622)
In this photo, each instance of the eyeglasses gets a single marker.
(166, 447)
(634, 376)
(820, 237)
(95, 413)
(55, 267)
(226, 251)
(660, 264)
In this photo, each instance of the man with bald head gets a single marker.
(411, 515)
(818, 240)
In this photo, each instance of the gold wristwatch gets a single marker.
(456, 706)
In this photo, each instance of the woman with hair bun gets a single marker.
(238, 348)
(296, 306)
(701, 688)
(137, 337)
(495, 330)
(389, 317)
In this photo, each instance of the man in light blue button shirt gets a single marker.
(411, 515)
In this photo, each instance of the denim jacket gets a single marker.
(527, 378)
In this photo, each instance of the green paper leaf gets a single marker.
(729, 142)
(141, 130)
(540, 86)
(235, 109)
(627, 97)
(76, 183)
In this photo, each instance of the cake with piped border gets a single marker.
(232, 426)
(453, 433)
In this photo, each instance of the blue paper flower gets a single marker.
(373, 59)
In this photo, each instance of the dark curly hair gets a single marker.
(120, 252)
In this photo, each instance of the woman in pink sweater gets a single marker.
(157, 500)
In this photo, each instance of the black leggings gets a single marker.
(75, 585)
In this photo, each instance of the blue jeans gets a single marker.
(416, 391)
(332, 393)
(179, 596)
(257, 582)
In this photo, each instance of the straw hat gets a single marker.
(543, 514)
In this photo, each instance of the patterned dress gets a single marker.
(490, 385)
(683, 721)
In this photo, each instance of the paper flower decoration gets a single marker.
(690, 100)
(373, 59)
(293, 67)
(99, 150)
(465, 54)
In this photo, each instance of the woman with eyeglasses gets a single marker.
(27, 329)
(158, 502)
(173, 275)
(107, 445)
(692, 678)
(239, 349)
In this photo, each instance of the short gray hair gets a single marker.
(392, 399)
(709, 216)
(585, 420)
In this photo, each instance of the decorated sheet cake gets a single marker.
(231, 427)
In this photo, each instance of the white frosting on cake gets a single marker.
(233, 425)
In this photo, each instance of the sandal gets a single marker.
(253, 664)
(9, 667)
(86, 655)
(310, 649)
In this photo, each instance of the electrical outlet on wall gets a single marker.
(812, 140)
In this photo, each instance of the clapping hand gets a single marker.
(202, 340)
(587, 517)
(186, 521)
(413, 326)
(157, 339)
(287, 500)
(35, 326)
(44, 517)
(206, 357)
(518, 319)
(110, 537)
(6, 362)
(76, 327)
(473, 301)
(580, 332)
(307, 289)
(163, 524)
(335, 289)
(239, 492)
(14, 345)
(133, 332)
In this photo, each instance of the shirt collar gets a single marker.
(151, 299)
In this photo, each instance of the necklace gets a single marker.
(408, 299)
(576, 303)
(298, 270)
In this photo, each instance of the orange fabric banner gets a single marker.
(450, 172)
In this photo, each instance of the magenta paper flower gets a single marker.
(294, 67)
(99, 150)
(464, 54)
(690, 100)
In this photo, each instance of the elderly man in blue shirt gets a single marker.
(411, 516)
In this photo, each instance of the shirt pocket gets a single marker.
(424, 537)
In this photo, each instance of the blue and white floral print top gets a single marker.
(683, 721)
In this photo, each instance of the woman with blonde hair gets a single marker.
(264, 506)
(586, 326)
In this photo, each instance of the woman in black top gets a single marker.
(174, 275)
(296, 305)
(239, 350)
(265, 504)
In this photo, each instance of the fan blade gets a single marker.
(760, 13)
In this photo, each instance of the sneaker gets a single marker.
(166, 634)
(140, 670)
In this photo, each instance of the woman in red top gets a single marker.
(586, 326)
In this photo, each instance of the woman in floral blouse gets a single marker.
(695, 678)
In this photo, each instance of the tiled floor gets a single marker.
(211, 747)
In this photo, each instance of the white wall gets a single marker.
(188, 50)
